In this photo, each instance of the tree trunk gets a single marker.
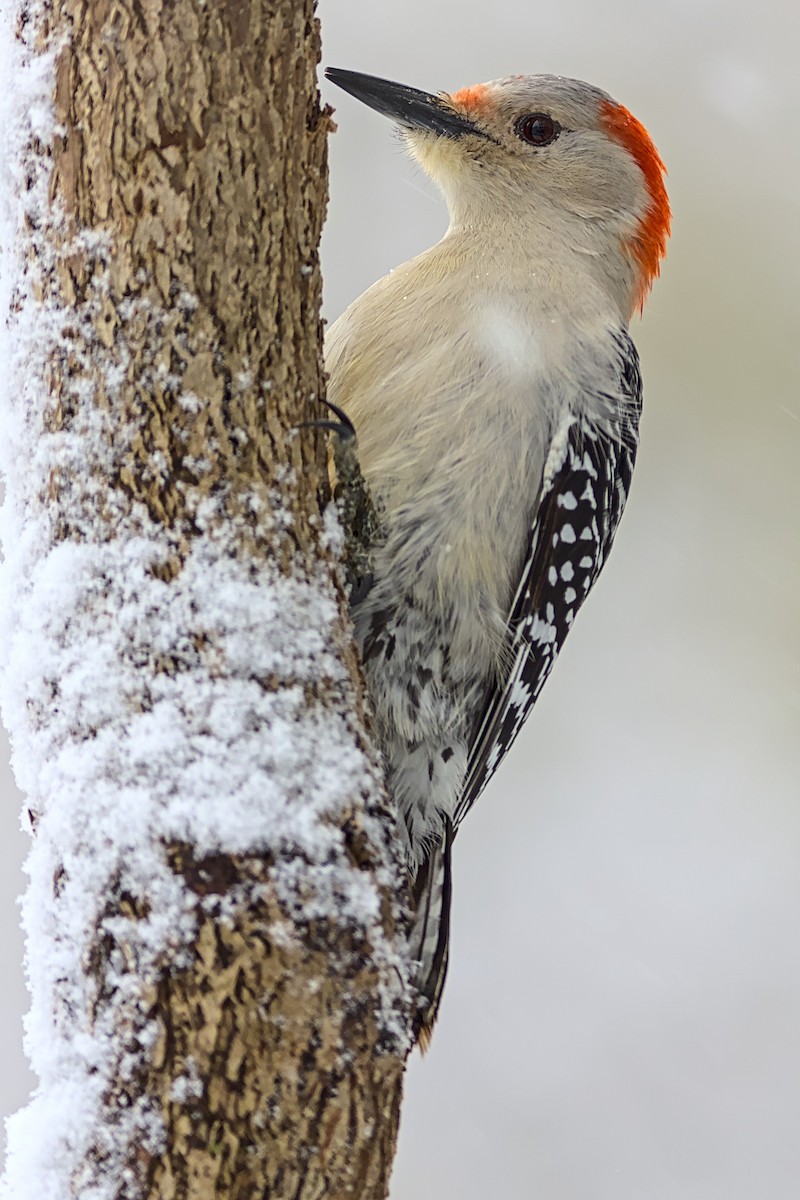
(215, 939)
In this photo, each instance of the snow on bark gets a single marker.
(150, 706)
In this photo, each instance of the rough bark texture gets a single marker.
(286, 1088)
(190, 167)
(193, 137)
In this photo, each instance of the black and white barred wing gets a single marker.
(584, 488)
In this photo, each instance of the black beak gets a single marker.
(407, 106)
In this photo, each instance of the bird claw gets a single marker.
(343, 427)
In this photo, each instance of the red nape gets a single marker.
(649, 244)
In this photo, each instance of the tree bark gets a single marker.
(215, 920)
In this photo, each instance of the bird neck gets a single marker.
(584, 258)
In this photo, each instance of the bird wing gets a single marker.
(585, 484)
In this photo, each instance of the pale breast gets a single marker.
(451, 433)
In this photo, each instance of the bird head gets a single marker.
(533, 151)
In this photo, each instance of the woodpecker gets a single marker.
(495, 395)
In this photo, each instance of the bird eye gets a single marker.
(537, 129)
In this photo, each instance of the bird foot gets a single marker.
(354, 502)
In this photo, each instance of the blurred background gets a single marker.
(622, 1017)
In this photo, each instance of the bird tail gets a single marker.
(430, 932)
